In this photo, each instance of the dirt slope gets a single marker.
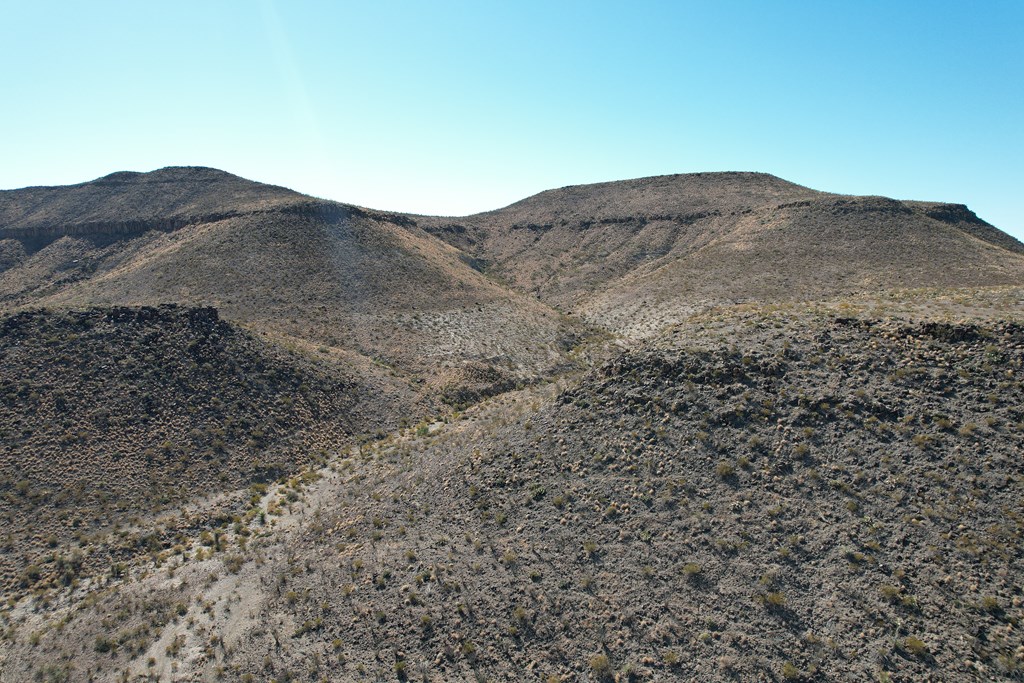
(360, 280)
(634, 256)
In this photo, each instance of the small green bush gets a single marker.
(790, 672)
(601, 667)
(915, 646)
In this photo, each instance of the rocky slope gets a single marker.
(831, 500)
(701, 427)
(111, 416)
(363, 281)
(800, 498)
(634, 256)
(127, 203)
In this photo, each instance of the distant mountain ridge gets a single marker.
(364, 281)
(636, 255)
(128, 196)
(129, 202)
(629, 256)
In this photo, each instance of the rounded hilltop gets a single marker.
(666, 194)
(170, 174)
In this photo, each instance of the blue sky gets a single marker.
(457, 107)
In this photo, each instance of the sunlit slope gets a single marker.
(127, 202)
(327, 273)
(635, 255)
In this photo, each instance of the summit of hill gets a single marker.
(634, 256)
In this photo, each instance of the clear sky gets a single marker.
(457, 107)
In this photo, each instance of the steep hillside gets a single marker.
(634, 256)
(792, 497)
(826, 499)
(330, 274)
(108, 416)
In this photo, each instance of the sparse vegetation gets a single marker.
(780, 488)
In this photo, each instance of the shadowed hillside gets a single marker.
(112, 415)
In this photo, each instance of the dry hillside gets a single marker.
(111, 416)
(797, 497)
(124, 204)
(363, 281)
(701, 427)
(634, 256)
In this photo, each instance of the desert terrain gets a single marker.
(712, 426)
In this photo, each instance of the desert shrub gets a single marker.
(233, 563)
(914, 646)
(601, 667)
(773, 600)
(790, 672)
